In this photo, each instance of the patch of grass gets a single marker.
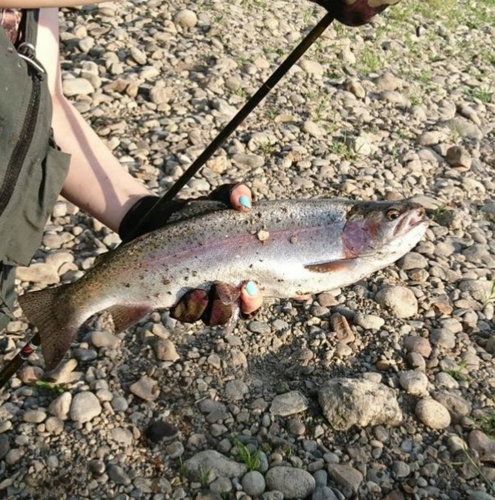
(252, 460)
(455, 132)
(240, 92)
(262, 4)
(424, 76)
(342, 148)
(204, 478)
(442, 215)
(254, 4)
(274, 52)
(339, 28)
(288, 451)
(308, 15)
(272, 112)
(369, 61)
(318, 112)
(266, 148)
(486, 423)
(217, 19)
(483, 94)
(491, 296)
(240, 59)
(447, 10)
(182, 468)
(457, 374)
(312, 95)
(415, 99)
(332, 127)
(469, 460)
(333, 73)
(49, 386)
(487, 55)
(480, 14)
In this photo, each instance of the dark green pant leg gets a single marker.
(7, 294)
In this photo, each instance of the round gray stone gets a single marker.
(432, 414)
(186, 18)
(293, 483)
(253, 483)
(85, 406)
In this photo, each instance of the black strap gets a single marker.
(28, 29)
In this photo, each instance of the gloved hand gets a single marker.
(355, 12)
(213, 307)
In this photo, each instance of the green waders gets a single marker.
(32, 169)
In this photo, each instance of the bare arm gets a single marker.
(96, 182)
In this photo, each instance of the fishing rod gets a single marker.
(15, 364)
(348, 12)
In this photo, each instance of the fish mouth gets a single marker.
(411, 219)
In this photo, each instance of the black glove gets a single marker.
(214, 306)
(355, 12)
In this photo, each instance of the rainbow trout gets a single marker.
(289, 248)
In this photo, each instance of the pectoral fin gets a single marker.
(334, 266)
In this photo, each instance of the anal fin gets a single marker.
(126, 315)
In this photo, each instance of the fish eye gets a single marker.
(392, 214)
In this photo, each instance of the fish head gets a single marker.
(383, 231)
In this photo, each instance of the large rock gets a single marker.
(348, 402)
(214, 464)
(292, 482)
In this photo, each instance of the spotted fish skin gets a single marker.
(288, 247)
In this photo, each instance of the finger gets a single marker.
(241, 198)
(251, 298)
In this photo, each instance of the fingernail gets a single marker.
(245, 202)
(251, 288)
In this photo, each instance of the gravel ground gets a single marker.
(383, 390)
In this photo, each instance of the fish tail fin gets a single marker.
(56, 328)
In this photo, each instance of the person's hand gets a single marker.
(215, 306)
(355, 12)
